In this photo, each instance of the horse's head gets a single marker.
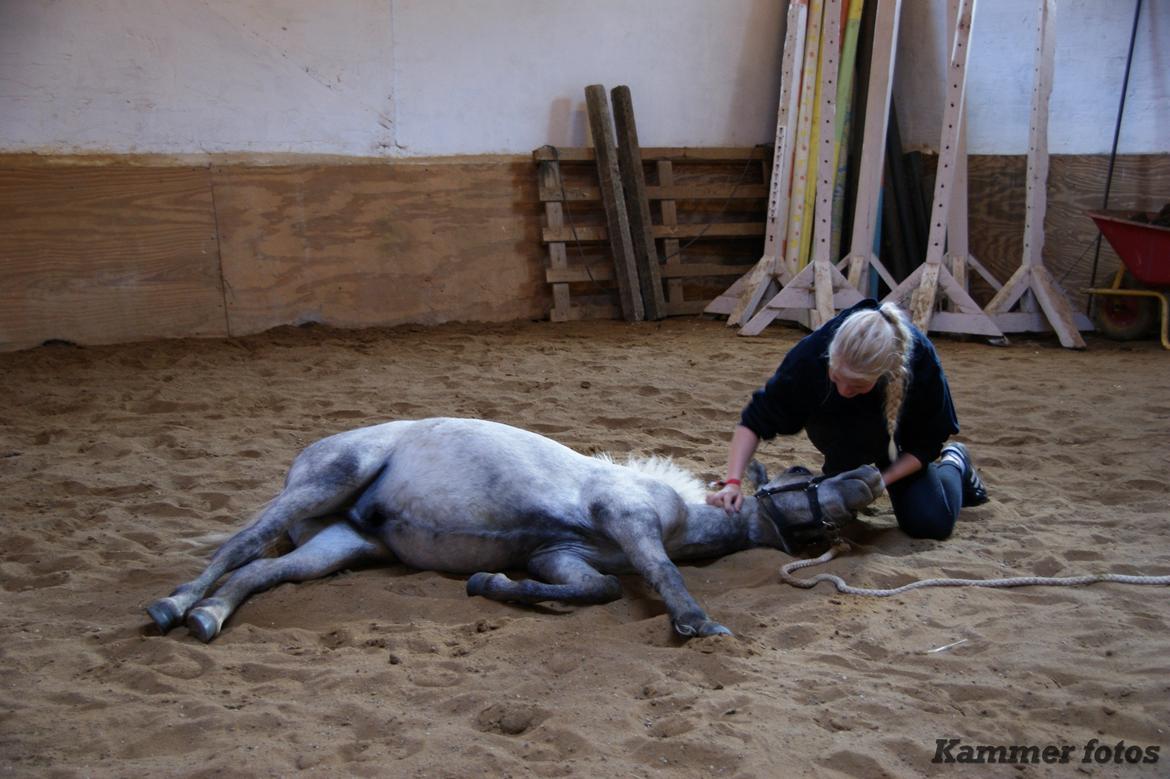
(806, 509)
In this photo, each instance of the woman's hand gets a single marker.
(729, 498)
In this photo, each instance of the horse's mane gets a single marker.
(688, 486)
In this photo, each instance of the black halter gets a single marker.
(794, 536)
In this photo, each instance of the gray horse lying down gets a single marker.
(467, 496)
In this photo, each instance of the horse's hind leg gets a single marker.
(302, 498)
(334, 548)
(567, 578)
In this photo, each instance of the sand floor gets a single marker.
(116, 461)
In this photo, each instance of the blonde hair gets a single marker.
(874, 343)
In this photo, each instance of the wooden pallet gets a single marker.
(715, 197)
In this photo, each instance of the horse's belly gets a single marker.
(457, 551)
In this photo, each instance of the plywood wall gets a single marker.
(1076, 184)
(100, 254)
(110, 251)
(379, 244)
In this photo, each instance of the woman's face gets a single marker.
(849, 385)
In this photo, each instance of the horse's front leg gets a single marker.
(639, 534)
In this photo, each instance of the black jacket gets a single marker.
(852, 431)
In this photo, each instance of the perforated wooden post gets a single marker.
(925, 283)
(819, 288)
(770, 272)
(1032, 276)
(802, 177)
(873, 147)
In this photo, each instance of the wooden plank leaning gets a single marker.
(613, 198)
(637, 204)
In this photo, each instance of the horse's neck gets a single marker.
(710, 531)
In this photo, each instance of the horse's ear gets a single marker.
(757, 473)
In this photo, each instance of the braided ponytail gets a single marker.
(875, 343)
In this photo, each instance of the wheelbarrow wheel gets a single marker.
(1125, 318)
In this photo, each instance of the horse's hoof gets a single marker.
(202, 625)
(704, 628)
(165, 614)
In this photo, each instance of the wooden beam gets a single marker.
(589, 233)
(620, 241)
(637, 206)
(604, 273)
(585, 194)
(655, 153)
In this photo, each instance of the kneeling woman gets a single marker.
(868, 388)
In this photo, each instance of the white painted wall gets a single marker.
(1092, 40)
(436, 77)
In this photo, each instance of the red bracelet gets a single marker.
(736, 482)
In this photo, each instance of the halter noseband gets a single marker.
(794, 536)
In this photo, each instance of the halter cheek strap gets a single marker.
(795, 536)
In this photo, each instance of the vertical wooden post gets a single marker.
(770, 271)
(819, 287)
(616, 218)
(637, 205)
(958, 250)
(744, 296)
(801, 179)
(873, 146)
(1032, 276)
(826, 165)
(670, 246)
(924, 283)
(550, 186)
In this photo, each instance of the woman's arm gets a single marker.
(743, 446)
(905, 465)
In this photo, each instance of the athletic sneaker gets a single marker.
(974, 490)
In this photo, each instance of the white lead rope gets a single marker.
(1017, 581)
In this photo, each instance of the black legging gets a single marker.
(927, 503)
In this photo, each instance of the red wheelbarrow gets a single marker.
(1126, 309)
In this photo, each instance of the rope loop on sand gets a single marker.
(786, 575)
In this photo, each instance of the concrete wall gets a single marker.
(395, 78)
